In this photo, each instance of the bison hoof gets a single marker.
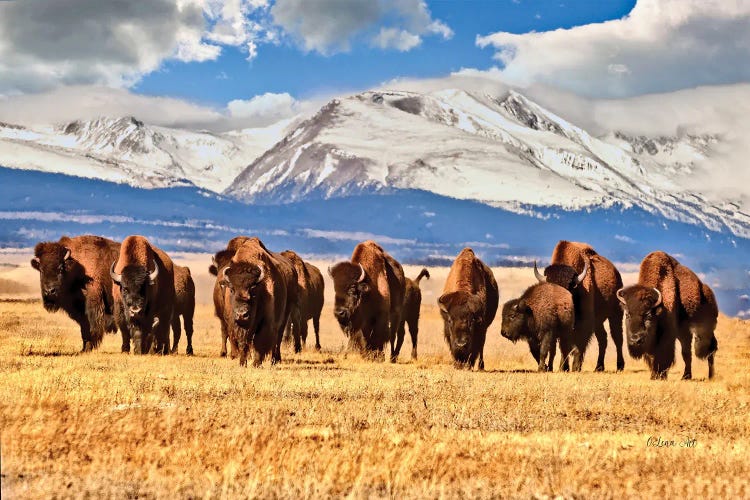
(317, 347)
(599, 368)
(189, 351)
(687, 376)
(87, 347)
(223, 354)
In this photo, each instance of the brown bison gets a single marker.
(310, 296)
(262, 291)
(593, 280)
(468, 305)
(543, 315)
(74, 277)
(669, 303)
(369, 298)
(410, 315)
(221, 297)
(184, 306)
(144, 295)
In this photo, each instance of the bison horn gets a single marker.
(156, 322)
(67, 254)
(658, 297)
(538, 275)
(580, 277)
(213, 260)
(117, 278)
(262, 270)
(363, 275)
(619, 295)
(153, 274)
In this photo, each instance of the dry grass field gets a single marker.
(328, 424)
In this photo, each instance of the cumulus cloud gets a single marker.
(45, 44)
(661, 45)
(329, 26)
(264, 109)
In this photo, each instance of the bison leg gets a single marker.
(565, 350)
(125, 333)
(686, 345)
(534, 349)
(316, 326)
(552, 352)
(615, 330)
(176, 332)
(224, 336)
(86, 337)
(601, 339)
(303, 332)
(188, 319)
(544, 351)
(711, 366)
(414, 333)
(400, 338)
(393, 330)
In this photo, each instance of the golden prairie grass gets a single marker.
(329, 424)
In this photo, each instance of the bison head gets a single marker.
(643, 309)
(563, 275)
(57, 270)
(134, 282)
(516, 315)
(219, 261)
(351, 286)
(463, 318)
(245, 282)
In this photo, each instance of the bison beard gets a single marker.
(74, 277)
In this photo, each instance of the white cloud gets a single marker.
(392, 38)
(44, 45)
(264, 109)
(661, 45)
(329, 26)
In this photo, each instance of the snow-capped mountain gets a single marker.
(128, 151)
(505, 151)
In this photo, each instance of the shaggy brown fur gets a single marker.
(143, 309)
(468, 305)
(543, 315)
(184, 306)
(410, 315)
(221, 297)
(79, 285)
(263, 291)
(595, 299)
(369, 299)
(688, 312)
(311, 288)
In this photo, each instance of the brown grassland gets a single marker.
(329, 424)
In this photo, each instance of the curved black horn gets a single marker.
(540, 278)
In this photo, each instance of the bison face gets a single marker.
(134, 282)
(643, 308)
(562, 275)
(516, 315)
(351, 286)
(244, 281)
(55, 266)
(463, 320)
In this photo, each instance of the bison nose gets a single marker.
(241, 316)
(134, 310)
(51, 291)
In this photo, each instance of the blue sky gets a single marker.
(287, 67)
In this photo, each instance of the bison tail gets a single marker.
(423, 273)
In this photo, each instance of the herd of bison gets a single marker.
(262, 298)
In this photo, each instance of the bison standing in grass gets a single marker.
(593, 280)
(468, 305)
(310, 304)
(543, 315)
(184, 306)
(74, 276)
(410, 314)
(369, 298)
(669, 303)
(144, 295)
(261, 291)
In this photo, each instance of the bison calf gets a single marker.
(184, 306)
(410, 315)
(543, 315)
(309, 302)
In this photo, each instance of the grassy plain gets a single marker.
(330, 425)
